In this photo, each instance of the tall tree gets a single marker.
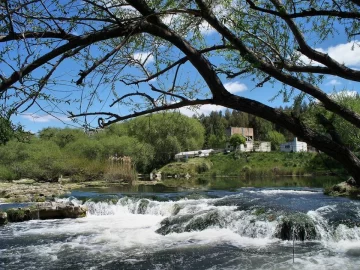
(108, 40)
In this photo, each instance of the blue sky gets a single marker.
(34, 120)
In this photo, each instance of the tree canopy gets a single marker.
(118, 48)
(236, 140)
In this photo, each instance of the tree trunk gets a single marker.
(335, 150)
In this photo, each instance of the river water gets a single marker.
(162, 228)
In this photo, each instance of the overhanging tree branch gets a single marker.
(304, 86)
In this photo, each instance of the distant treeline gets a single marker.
(216, 123)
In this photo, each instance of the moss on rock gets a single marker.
(346, 188)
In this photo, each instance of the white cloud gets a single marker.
(204, 109)
(346, 53)
(235, 87)
(144, 57)
(44, 118)
(334, 82)
(206, 29)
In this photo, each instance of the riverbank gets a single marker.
(255, 164)
(28, 190)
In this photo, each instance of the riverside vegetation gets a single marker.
(82, 159)
(256, 164)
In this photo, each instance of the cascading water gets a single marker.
(246, 229)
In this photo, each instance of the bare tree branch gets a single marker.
(134, 94)
(144, 112)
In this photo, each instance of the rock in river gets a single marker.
(3, 218)
(46, 210)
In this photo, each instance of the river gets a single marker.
(171, 228)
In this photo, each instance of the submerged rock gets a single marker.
(202, 222)
(176, 209)
(174, 224)
(298, 226)
(46, 210)
(188, 223)
(142, 206)
(3, 218)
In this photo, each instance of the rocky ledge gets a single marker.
(346, 188)
(44, 210)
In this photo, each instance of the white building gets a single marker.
(252, 147)
(191, 154)
(294, 146)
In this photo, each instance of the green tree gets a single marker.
(328, 123)
(141, 153)
(36, 159)
(86, 148)
(167, 133)
(61, 136)
(236, 140)
(276, 139)
(6, 130)
(129, 44)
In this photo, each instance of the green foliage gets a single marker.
(38, 159)
(149, 141)
(6, 130)
(334, 125)
(236, 140)
(276, 138)
(167, 133)
(141, 153)
(85, 148)
(193, 167)
(61, 137)
(6, 173)
(259, 164)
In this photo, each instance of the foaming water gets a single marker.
(247, 229)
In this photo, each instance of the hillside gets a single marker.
(256, 164)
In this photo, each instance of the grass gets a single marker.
(192, 166)
(256, 165)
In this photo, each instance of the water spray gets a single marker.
(293, 245)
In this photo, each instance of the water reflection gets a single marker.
(225, 183)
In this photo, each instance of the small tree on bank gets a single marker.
(113, 45)
(236, 140)
(276, 138)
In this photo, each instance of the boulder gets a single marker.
(298, 226)
(143, 204)
(346, 188)
(190, 222)
(3, 218)
(46, 210)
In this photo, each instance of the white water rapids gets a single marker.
(122, 235)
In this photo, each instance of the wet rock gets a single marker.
(176, 209)
(188, 223)
(202, 222)
(142, 206)
(354, 252)
(174, 224)
(19, 214)
(52, 210)
(3, 218)
(298, 226)
(346, 188)
(46, 210)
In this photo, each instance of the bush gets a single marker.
(6, 173)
